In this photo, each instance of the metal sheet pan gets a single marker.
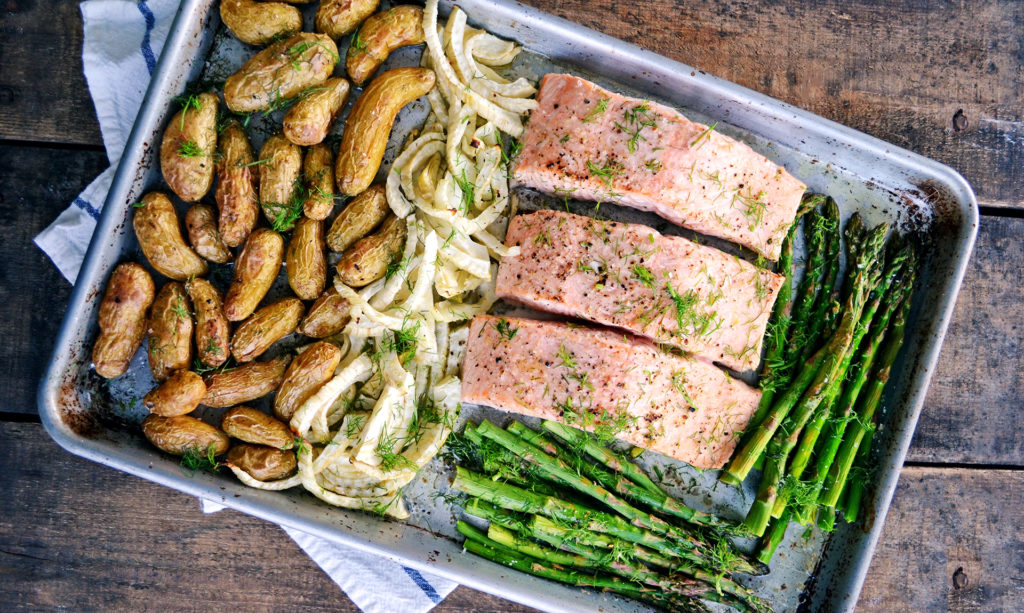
(97, 420)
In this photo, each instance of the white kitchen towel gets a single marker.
(122, 41)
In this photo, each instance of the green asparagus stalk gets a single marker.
(816, 238)
(773, 536)
(579, 439)
(854, 492)
(831, 254)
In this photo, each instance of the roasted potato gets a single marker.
(307, 372)
(262, 463)
(281, 71)
(360, 216)
(170, 331)
(368, 259)
(122, 319)
(212, 328)
(181, 393)
(266, 326)
(336, 18)
(309, 119)
(305, 259)
(379, 35)
(254, 426)
(236, 185)
(245, 383)
(182, 434)
(328, 315)
(318, 168)
(159, 232)
(279, 180)
(189, 142)
(258, 23)
(255, 270)
(201, 223)
(369, 124)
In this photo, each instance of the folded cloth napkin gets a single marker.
(122, 41)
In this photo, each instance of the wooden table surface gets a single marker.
(942, 78)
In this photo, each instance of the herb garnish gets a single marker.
(597, 111)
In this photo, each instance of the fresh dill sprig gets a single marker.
(705, 135)
(644, 275)
(196, 459)
(606, 173)
(597, 111)
(189, 149)
(505, 329)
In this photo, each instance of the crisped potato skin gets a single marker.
(170, 331)
(254, 426)
(212, 328)
(369, 124)
(266, 326)
(279, 175)
(180, 394)
(336, 18)
(262, 463)
(159, 232)
(318, 168)
(201, 223)
(328, 315)
(246, 383)
(359, 217)
(282, 70)
(122, 319)
(307, 372)
(381, 34)
(305, 259)
(368, 259)
(236, 185)
(179, 434)
(258, 23)
(309, 119)
(255, 270)
(186, 152)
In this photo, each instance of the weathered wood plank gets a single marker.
(953, 541)
(43, 96)
(36, 184)
(972, 410)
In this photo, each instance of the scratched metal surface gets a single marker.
(99, 420)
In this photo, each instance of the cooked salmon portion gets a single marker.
(585, 142)
(666, 288)
(608, 383)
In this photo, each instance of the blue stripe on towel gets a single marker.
(87, 207)
(423, 584)
(147, 51)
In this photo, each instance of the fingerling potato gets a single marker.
(180, 394)
(328, 315)
(254, 426)
(187, 148)
(262, 463)
(212, 327)
(279, 180)
(181, 434)
(255, 270)
(307, 372)
(309, 119)
(359, 217)
(245, 383)
(237, 174)
(369, 124)
(170, 331)
(379, 35)
(122, 319)
(318, 168)
(305, 260)
(201, 224)
(281, 71)
(258, 23)
(266, 326)
(336, 18)
(368, 259)
(159, 232)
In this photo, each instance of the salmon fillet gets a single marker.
(608, 383)
(666, 288)
(588, 143)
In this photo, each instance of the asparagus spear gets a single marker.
(831, 255)
(579, 439)
(773, 536)
(803, 303)
(866, 410)
(854, 492)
